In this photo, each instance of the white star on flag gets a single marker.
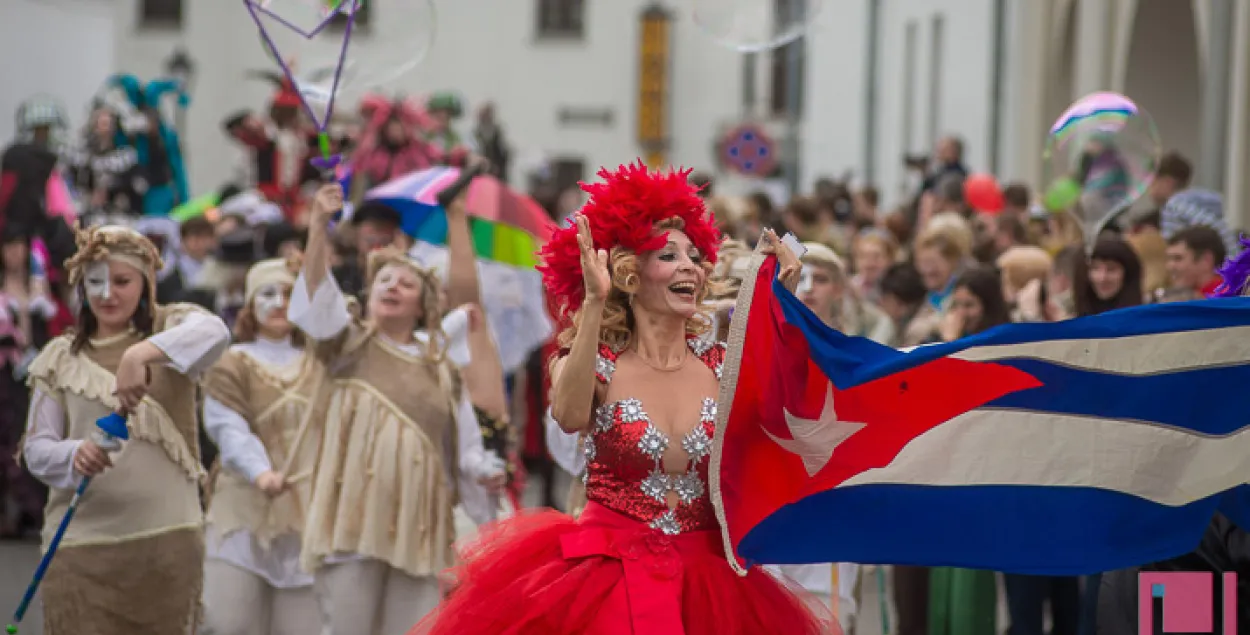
(815, 439)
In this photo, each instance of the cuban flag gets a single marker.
(1055, 449)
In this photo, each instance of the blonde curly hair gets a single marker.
(617, 326)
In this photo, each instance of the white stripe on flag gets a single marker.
(1136, 355)
(1003, 447)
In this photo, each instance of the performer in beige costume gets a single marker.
(132, 559)
(399, 442)
(256, 397)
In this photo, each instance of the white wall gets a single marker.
(483, 49)
(964, 82)
(62, 48)
(835, 116)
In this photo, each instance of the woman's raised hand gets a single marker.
(789, 268)
(595, 274)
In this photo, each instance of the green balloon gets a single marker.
(1062, 195)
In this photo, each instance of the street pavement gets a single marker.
(17, 564)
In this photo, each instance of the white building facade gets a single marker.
(998, 72)
(567, 91)
(879, 79)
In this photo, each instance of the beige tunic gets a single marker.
(384, 485)
(274, 407)
(132, 559)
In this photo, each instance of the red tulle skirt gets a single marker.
(606, 574)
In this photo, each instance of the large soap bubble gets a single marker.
(755, 25)
(387, 42)
(1100, 157)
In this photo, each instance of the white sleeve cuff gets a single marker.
(323, 315)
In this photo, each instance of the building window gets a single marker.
(561, 19)
(364, 13)
(160, 13)
(789, 62)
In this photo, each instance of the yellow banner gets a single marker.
(653, 81)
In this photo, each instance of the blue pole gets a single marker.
(111, 429)
(47, 557)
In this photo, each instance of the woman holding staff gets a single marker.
(132, 560)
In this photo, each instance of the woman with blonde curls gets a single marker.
(639, 383)
(399, 443)
(132, 559)
(256, 396)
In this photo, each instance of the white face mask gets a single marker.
(805, 280)
(96, 280)
(269, 299)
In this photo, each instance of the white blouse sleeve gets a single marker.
(324, 314)
(475, 463)
(563, 447)
(241, 450)
(49, 455)
(194, 343)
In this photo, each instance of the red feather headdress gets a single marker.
(622, 212)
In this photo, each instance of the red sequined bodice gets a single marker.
(624, 451)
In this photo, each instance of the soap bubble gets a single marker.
(1100, 157)
(751, 26)
(386, 43)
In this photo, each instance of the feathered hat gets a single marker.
(622, 212)
(113, 242)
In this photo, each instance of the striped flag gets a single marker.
(1067, 448)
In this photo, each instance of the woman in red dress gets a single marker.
(637, 381)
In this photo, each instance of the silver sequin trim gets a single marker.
(631, 411)
(719, 368)
(588, 448)
(603, 417)
(667, 523)
(656, 485)
(688, 486)
(604, 367)
(653, 443)
(708, 413)
(697, 444)
(699, 346)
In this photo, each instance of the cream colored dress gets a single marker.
(132, 559)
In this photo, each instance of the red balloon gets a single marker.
(982, 193)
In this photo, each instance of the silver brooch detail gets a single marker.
(656, 485)
(653, 443)
(699, 346)
(697, 444)
(631, 411)
(588, 448)
(603, 417)
(689, 487)
(708, 413)
(604, 367)
(667, 523)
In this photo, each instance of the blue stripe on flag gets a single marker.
(1015, 529)
(849, 361)
(1183, 399)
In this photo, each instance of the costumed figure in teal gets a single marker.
(156, 143)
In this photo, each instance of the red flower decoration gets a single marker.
(622, 212)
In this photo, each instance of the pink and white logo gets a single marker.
(1183, 602)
